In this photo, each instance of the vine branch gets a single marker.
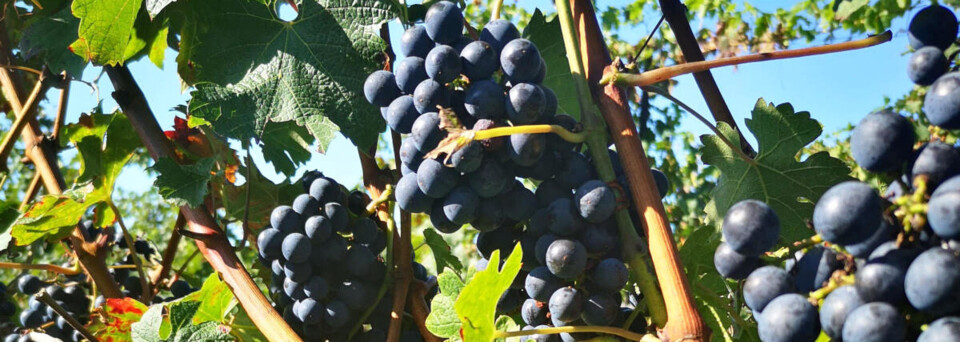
(173, 246)
(40, 267)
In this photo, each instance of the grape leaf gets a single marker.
(253, 68)
(49, 40)
(442, 320)
(105, 144)
(8, 214)
(286, 146)
(718, 313)
(548, 38)
(112, 321)
(105, 29)
(441, 251)
(263, 193)
(215, 300)
(848, 7)
(181, 328)
(505, 323)
(776, 176)
(182, 184)
(477, 304)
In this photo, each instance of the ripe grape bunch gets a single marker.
(881, 268)
(323, 251)
(572, 271)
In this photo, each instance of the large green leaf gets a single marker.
(183, 184)
(49, 40)
(179, 327)
(441, 251)
(8, 215)
(215, 300)
(547, 36)
(776, 176)
(105, 30)
(251, 68)
(443, 320)
(477, 303)
(286, 146)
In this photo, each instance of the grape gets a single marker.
(485, 99)
(550, 104)
(409, 72)
(563, 219)
(31, 318)
(932, 282)
(600, 309)
(180, 288)
(284, 219)
(428, 95)
(359, 261)
(444, 22)
(401, 114)
(935, 26)
(443, 64)
(733, 265)
(492, 144)
(936, 160)
(498, 33)
(566, 258)
(596, 201)
(836, 307)
(426, 132)
(525, 103)
(764, 284)
(550, 190)
(519, 203)
(440, 221)
(886, 232)
(436, 180)
(543, 243)
(380, 88)
(598, 239)
(365, 231)
(323, 190)
(946, 329)
(789, 317)
(337, 314)
(750, 227)
(882, 141)
(498, 239)
(510, 301)
(942, 102)
(489, 215)
(297, 271)
(318, 229)
(269, 240)
(926, 65)
(610, 275)
(874, 322)
(534, 312)
(460, 206)
(575, 171)
(293, 289)
(881, 279)
(566, 304)
(409, 196)
(526, 149)
(944, 215)
(459, 44)
(415, 42)
(520, 60)
(468, 158)
(337, 215)
(309, 311)
(316, 288)
(540, 284)
(489, 179)
(847, 213)
(355, 295)
(814, 269)
(29, 284)
(479, 60)
(409, 154)
(333, 251)
(306, 206)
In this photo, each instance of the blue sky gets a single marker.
(836, 89)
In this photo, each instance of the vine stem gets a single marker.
(530, 129)
(833, 284)
(634, 249)
(666, 94)
(145, 288)
(385, 197)
(629, 335)
(683, 320)
(665, 73)
(495, 11)
(44, 297)
(90, 256)
(173, 246)
(41, 267)
(27, 112)
(211, 241)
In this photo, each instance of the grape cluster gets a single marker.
(323, 251)
(876, 266)
(572, 268)
(71, 295)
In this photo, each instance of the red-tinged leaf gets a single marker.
(112, 321)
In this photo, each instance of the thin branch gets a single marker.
(41, 267)
(24, 115)
(44, 297)
(665, 73)
(145, 287)
(31, 192)
(495, 10)
(666, 94)
(385, 197)
(186, 263)
(173, 246)
(649, 37)
(22, 68)
(61, 110)
(247, 233)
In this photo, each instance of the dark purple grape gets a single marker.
(566, 258)
(836, 307)
(733, 265)
(848, 213)
(440, 221)
(415, 42)
(566, 304)
(489, 215)
(610, 275)
(479, 60)
(935, 26)
(490, 179)
(520, 60)
(926, 65)
(526, 149)
(519, 203)
(284, 219)
(882, 141)
(409, 72)
(875, 322)
(789, 317)
(600, 309)
(595, 201)
(380, 88)
(498, 33)
(409, 196)
(436, 180)
(576, 170)
(444, 22)
(460, 205)
(525, 103)
(306, 206)
(401, 114)
(270, 241)
(485, 99)
(426, 132)
(942, 102)
(946, 329)
(764, 284)
(751, 227)
(430, 94)
(932, 282)
(534, 312)
(936, 160)
(443, 64)
(468, 158)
